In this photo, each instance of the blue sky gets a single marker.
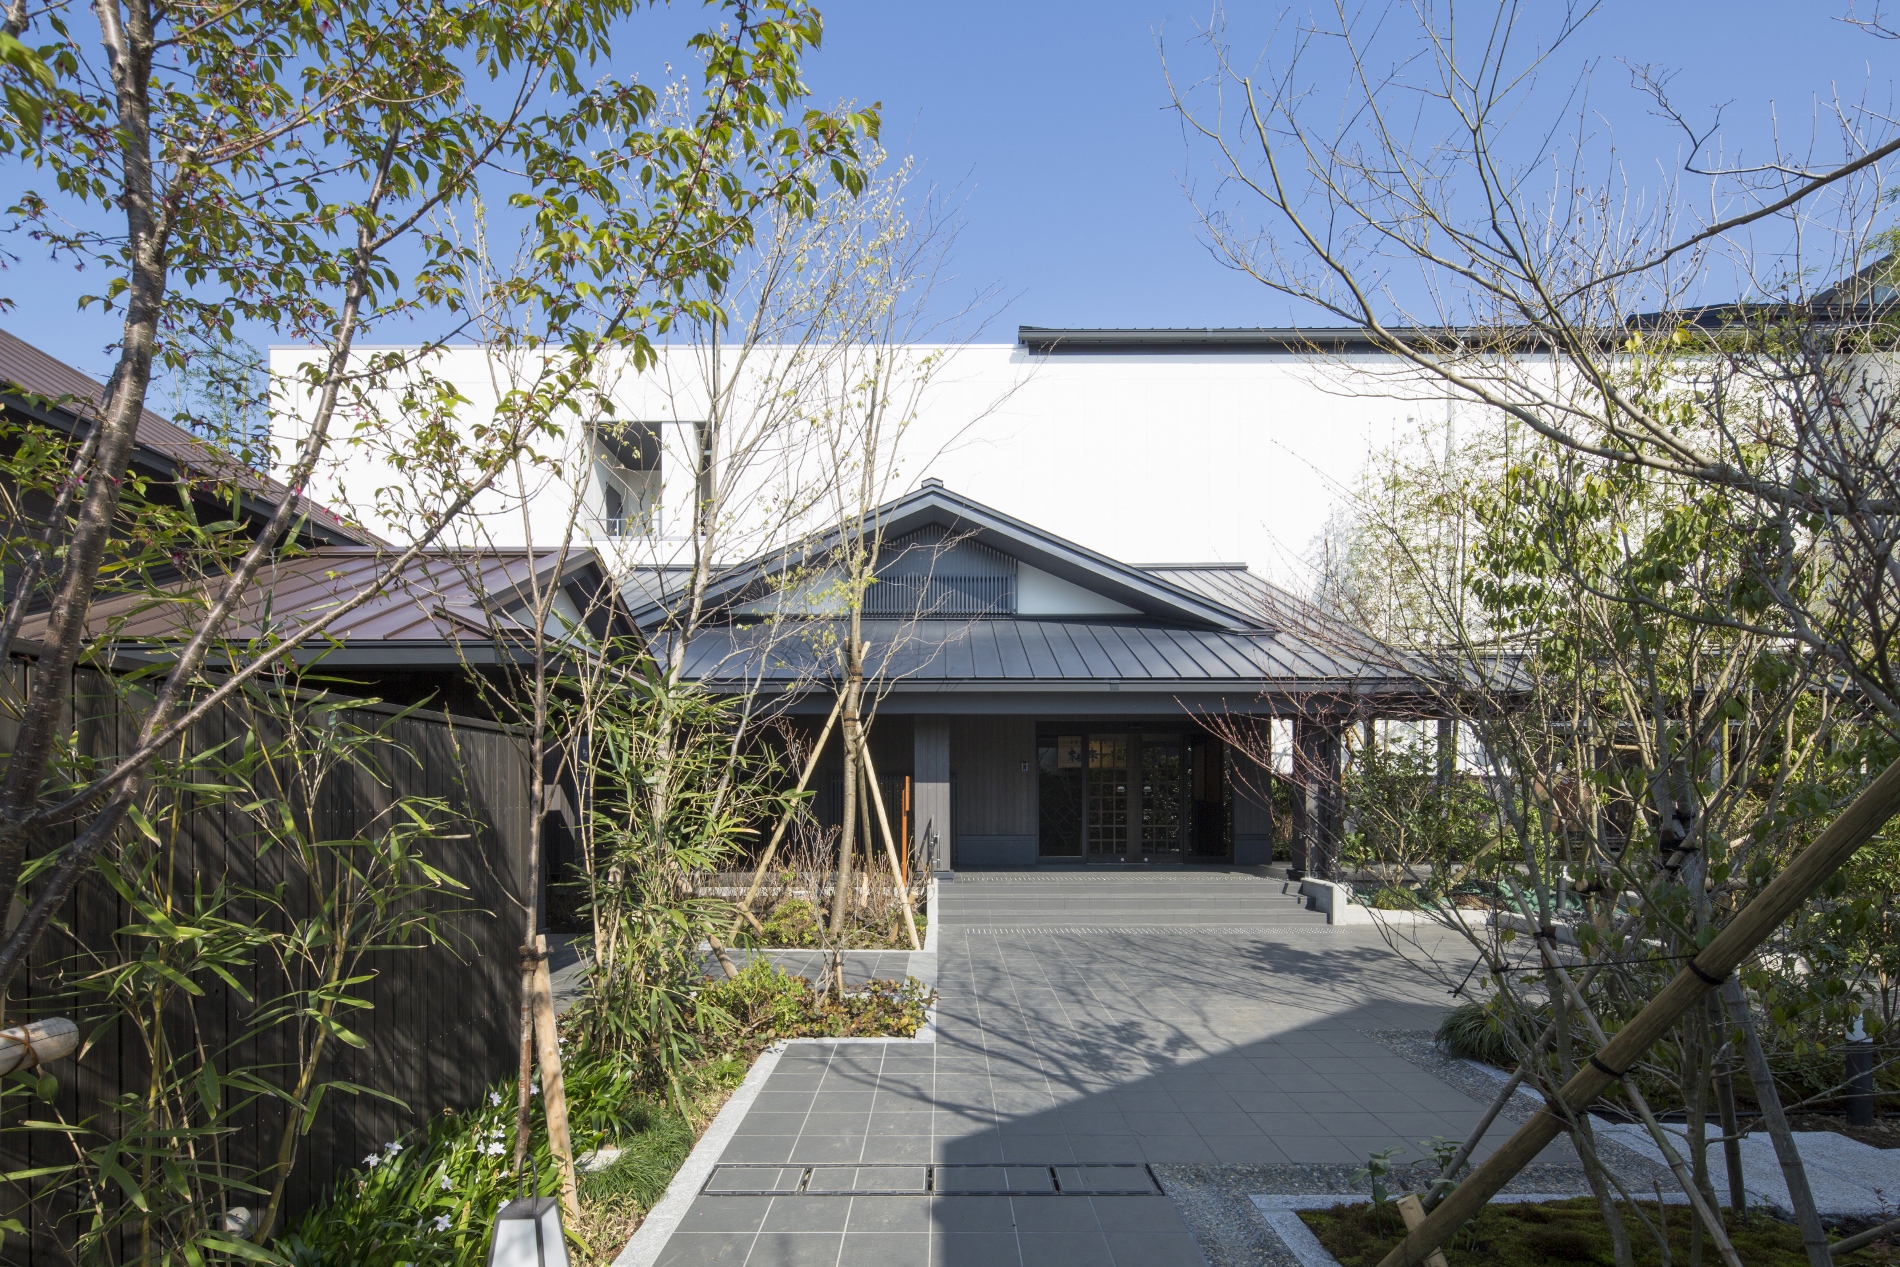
(1047, 121)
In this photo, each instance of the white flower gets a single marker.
(372, 1159)
(494, 1099)
(442, 1222)
(534, 1090)
(392, 1148)
(493, 1150)
(445, 1182)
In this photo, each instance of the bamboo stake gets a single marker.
(547, 1043)
(890, 844)
(778, 833)
(1793, 1171)
(1862, 1239)
(1443, 1184)
(1731, 1130)
(1685, 1176)
(1797, 882)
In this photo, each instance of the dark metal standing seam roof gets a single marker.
(987, 653)
(31, 371)
(444, 596)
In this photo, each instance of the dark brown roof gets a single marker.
(443, 597)
(54, 386)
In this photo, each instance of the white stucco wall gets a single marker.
(1157, 457)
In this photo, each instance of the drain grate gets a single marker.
(1139, 930)
(962, 1179)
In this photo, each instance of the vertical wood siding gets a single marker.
(996, 794)
(442, 1027)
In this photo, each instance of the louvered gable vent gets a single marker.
(933, 573)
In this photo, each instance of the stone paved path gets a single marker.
(1077, 1043)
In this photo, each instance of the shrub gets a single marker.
(431, 1196)
(1472, 1032)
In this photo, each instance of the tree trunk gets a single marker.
(525, 1074)
(547, 1041)
(847, 834)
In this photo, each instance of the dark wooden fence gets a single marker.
(442, 1027)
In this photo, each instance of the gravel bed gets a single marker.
(1217, 1201)
(1417, 1046)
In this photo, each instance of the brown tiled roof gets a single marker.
(55, 384)
(443, 596)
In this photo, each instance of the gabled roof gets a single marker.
(55, 394)
(1154, 595)
(1196, 631)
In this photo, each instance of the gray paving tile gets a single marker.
(976, 1249)
(757, 1123)
(1137, 1214)
(898, 1148)
(700, 1249)
(1048, 1150)
(972, 1214)
(810, 1148)
(726, 1214)
(1053, 1214)
(795, 1249)
(1176, 1150)
(889, 1214)
(807, 1214)
(759, 1148)
(1065, 1249)
(1250, 1150)
(1155, 1249)
(885, 1249)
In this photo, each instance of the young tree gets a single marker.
(289, 166)
(1689, 551)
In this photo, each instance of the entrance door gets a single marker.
(1108, 787)
(1163, 784)
(1061, 773)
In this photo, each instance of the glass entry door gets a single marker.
(1163, 775)
(1108, 787)
(1117, 797)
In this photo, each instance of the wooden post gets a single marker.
(1414, 1213)
(1753, 925)
(547, 1042)
(890, 845)
(778, 833)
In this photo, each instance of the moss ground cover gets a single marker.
(1561, 1232)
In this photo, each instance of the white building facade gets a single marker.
(1150, 446)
